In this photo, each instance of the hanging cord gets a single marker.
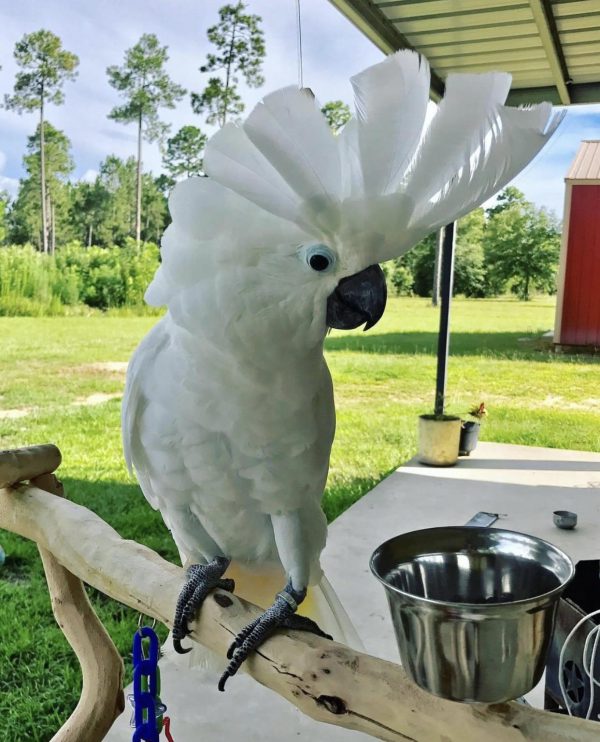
(589, 671)
(299, 44)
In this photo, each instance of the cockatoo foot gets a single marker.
(281, 615)
(200, 580)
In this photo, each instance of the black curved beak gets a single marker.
(358, 299)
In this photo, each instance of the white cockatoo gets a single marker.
(228, 415)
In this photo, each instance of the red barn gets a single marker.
(578, 301)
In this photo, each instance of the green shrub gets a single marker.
(402, 280)
(35, 284)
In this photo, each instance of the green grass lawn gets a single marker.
(50, 367)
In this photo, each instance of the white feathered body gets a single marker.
(233, 422)
(228, 416)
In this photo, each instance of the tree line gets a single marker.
(512, 246)
(50, 208)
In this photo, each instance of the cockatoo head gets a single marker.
(293, 219)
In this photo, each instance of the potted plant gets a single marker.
(439, 437)
(469, 429)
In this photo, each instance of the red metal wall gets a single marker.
(581, 300)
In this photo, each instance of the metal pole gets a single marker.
(435, 293)
(444, 333)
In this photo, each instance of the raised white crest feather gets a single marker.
(290, 131)
(391, 103)
(473, 146)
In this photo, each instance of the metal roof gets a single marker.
(586, 165)
(551, 47)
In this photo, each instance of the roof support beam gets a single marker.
(367, 17)
(542, 13)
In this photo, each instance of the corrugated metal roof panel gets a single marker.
(551, 47)
(586, 165)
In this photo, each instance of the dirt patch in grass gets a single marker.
(97, 398)
(117, 368)
(89, 401)
(14, 414)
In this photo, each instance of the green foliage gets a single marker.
(337, 114)
(45, 67)
(240, 50)
(146, 87)
(89, 205)
(521, 246)
(30, 283)
(103, 212)
(183, 156)
(35, 284)
(4, 204)
(469, 263)
(419, 262)
(402, 279)
(25, 214)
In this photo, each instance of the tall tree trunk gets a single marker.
(227, 77)
(89, 239)
(138, 186)
(43, 178)
(53, 227)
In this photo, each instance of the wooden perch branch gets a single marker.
(327, 681)
(27, 463)
(101, 699)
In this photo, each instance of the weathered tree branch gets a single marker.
(327, 681)
(20, 464)
(101, 699)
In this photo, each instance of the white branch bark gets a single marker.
(327, 681)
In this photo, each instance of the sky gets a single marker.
(99, 32)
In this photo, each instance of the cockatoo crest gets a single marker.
(367, 195)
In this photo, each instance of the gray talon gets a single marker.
(200, 580)
(280, 615)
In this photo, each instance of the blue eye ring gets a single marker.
(320, 258)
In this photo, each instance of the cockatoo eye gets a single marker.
(320, 258)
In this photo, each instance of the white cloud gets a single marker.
(89, 176)
(8, 184)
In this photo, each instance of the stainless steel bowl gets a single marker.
(473, 608)
(564, 519)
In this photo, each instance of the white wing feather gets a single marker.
(516, 137)
(391, 102)
(461, 123)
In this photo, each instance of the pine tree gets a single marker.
(183, 155)
(146, 87)
(45, 67)
(240, 50)
(26, 224)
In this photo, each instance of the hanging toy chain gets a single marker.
(148, 710)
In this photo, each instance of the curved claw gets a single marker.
(178, 648)
(231, 651)
(223, 680)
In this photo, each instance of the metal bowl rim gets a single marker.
(486, 607)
